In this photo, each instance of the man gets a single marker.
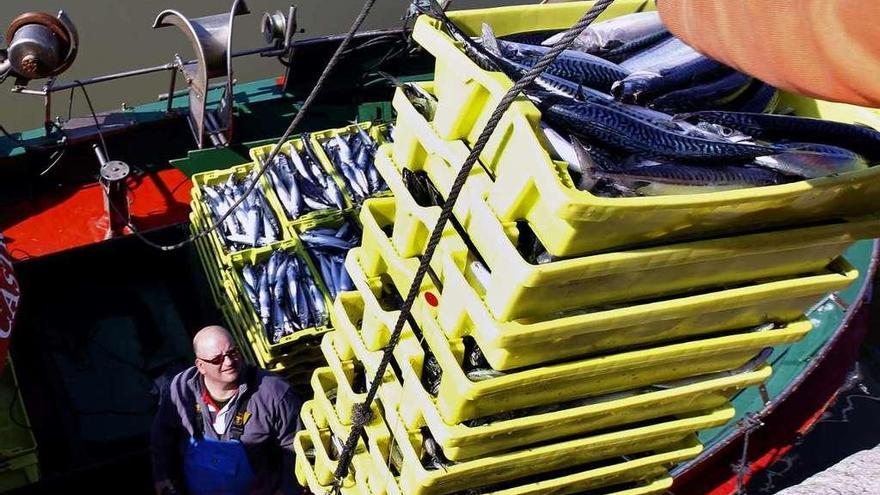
(224, 427)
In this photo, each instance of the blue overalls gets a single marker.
(218, 467)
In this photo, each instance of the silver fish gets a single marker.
(482, 374)
(265, 310)
(312, 237)
(809, 160)
(562, 147)
(301, 167)
(614, 32)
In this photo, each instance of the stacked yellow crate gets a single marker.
(595, 369)
(298, 354)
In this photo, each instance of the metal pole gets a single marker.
(171, 91)
(113, 175)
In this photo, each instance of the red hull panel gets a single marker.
(74, 217)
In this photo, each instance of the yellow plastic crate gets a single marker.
(526, 342)
(648, 473)
(325, 463)
(376, 323)
(529, 185)
(460, 399)
(517, 288)
(461, 442)
(390, 389)
(606, 477)
(283, 355)
(463, 311)
(411, 230)
(318, 138)
(418, 147)
(246, 313)
(324, 412)
(416, 480)
(254, 350)
(260, 153)
(348, 343)
(656, 486)
(215, 177)
(325, 380)
(306, 474)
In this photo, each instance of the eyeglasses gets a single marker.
(233, 354)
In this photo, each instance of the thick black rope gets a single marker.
(359, 419)
(337, 55)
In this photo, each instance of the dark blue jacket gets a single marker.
(267, 436)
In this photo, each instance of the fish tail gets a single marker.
(490, 42)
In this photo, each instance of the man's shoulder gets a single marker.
(270, 384)
(181, 381)
(267, 380)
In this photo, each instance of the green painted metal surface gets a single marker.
(791, 360)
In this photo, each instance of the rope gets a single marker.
(337, 55)
(749, 424)
(548, 58)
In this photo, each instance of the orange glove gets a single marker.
(826, 49)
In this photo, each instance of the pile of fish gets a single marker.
(284, 295)
(353, 155)
(302, 185)
(327, 247)
(252, 224)
(636, 112)
(475, 367)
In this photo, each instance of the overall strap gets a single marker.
(199, 430)
(240, 419)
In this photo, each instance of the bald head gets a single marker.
(217, 359)
(211, 340)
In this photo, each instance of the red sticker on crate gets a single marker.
(432, 299)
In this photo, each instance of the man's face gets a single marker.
(219, 360)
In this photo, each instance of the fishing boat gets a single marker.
(105, 317)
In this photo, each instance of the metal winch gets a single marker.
(40, 45)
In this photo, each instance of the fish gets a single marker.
(614, 33)
(859, 139)
(481, 274)
(758, 97)
(425, 103)
(432, 453)
(562, 148)
(583, 68)
(651, 178)
(317, 298)
(712, 94)
(629, 49)
(432, 374)
(300, 166)
(292, 286)
(311, 237)
(642, 86)
(265, 301)
(482, 374)
(810, 160)
(663, 179)
(345, 281)
(634, 135)
(668, 53)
